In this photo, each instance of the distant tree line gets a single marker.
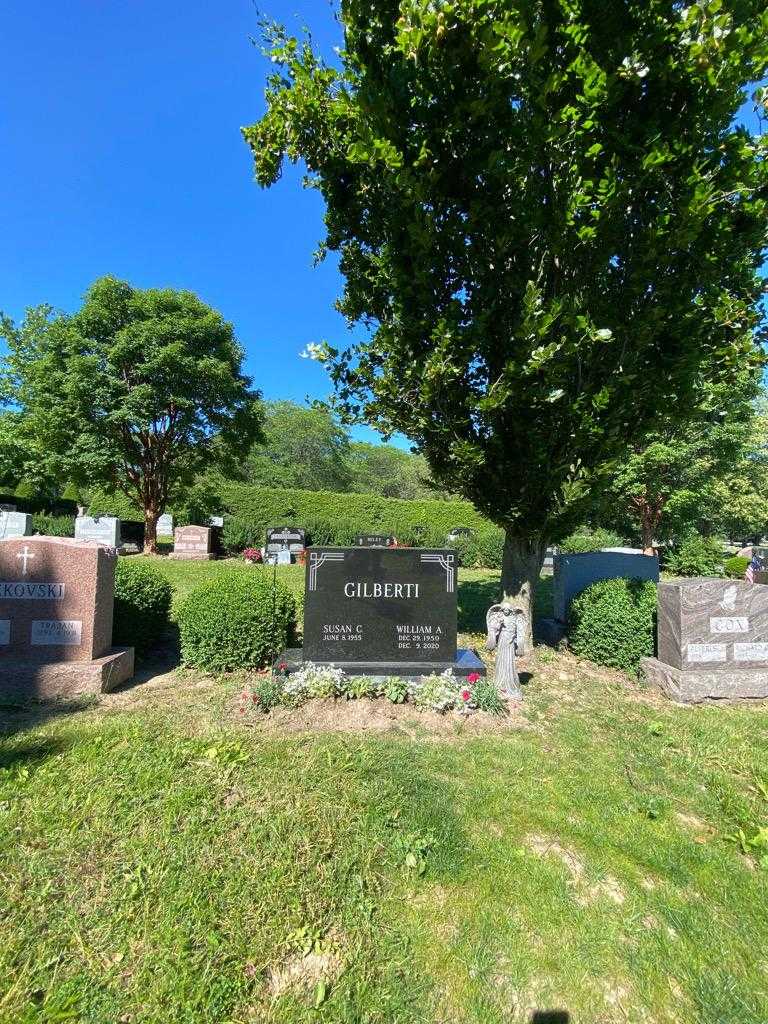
(309, 448)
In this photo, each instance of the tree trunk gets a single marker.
(649, 520)
(520, 570)
(151, 515)
(646, 535)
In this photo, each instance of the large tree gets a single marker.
(390, 471)
(678, 477)
(302, 447)
(548, 220)
(139, 390)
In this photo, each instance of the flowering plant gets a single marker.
(252, 555)
(439, 693)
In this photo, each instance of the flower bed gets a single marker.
(442, 693)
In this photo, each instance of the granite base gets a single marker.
(207, 557)
(467, 662)
(694, 686)
(27, 680)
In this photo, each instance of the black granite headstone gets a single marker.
(285, 538)
(381, 609)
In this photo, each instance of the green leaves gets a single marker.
(139, 390)
(545, 221)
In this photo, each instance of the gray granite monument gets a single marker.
(15, 524)
(102, 529)
(165, 525)
(712, 640)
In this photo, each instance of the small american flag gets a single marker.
(754, 566)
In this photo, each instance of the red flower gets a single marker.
(473, 677)
(242, 711)
(255, 698)
(282, 666)
(465, 694)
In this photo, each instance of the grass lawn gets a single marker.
(164, 860)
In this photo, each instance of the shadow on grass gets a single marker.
(550, 1017)
(159, 660)
(31, 753)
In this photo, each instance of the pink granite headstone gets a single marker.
(56, 607)
(193, 542)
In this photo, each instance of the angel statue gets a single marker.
(506, 635)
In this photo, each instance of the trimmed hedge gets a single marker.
(613, 623)
(336, 519)
(240, 619)
(54, 526)
(142, 605)
(363, 512)
(589, 540)
(103, 504)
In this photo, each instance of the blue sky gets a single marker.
(121, 154)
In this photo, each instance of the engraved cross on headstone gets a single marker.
(26, 554)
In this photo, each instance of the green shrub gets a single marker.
(53, 526)
(240, 619)
(395, 689)
(612, 622)
(736, 567)
(142, 605)
(237, 535)
(586, 539)
(104, 504)
(491, 544)
(468, 551)
(696, 556)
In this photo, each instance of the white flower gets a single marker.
(314, 351)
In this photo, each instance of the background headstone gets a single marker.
(460, 531)
(56, 604)
(15, 524)
(165, 525)
(712, 639)
(216, 521)
(373, 540)
(574, 573)
(193, 543)
(751, 551)
(284, 538)
(102, 529)
(132, 533)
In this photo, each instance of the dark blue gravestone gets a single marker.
(382, 611)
